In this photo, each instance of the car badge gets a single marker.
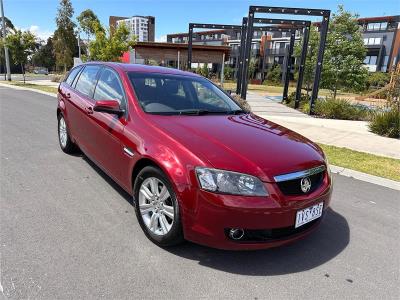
(305, 184)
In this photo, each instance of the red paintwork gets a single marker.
(177, 144)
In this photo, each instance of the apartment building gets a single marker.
(267, 47)
(381, 38)
(142, 27)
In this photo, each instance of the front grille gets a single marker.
(269, 235)
(293, 187)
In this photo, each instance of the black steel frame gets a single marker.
(325, 14)
(295, 25)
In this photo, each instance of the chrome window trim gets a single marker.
(299, 174)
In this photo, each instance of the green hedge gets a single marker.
(339, 109)
(386, 123)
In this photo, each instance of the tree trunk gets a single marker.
(23, 71)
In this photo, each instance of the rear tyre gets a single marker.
(64, 138)
(157, 208)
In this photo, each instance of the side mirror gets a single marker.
(109, 107)
(229, 92)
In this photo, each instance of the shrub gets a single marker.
(341, 109)
(57, 78)
(378, 79)
(386, 123)
(241, 102)
(304, 98)
(274, 75)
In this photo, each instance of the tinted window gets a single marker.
(72, 74)
(109, 87)
(175, 94)
(87, 80)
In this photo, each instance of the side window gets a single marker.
(109, 87)
(87, 80)
(72, 74)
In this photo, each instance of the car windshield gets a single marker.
(169, 94)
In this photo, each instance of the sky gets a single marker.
(174, 15)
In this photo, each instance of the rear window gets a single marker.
(72, 74)
(87, 80)
(176, 94)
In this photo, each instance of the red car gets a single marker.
(198, 166)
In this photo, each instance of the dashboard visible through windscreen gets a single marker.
(176, 94)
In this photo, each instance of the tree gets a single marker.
(44, 57)
(64, 39)
(344, 55)
(252, 67)
(9, 30)
(21, 45)
(9, 26)
(110, 47)
(274, 75)
(87, 19)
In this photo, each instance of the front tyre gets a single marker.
(157, 208)
(63, 136)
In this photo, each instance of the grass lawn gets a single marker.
(279, 89)
(363, 162)
(45, 88)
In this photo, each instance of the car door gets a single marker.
(67, 96)
(105, 129)
(82, 103)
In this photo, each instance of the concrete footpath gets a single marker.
(342, 133)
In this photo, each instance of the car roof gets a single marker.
(143, 68)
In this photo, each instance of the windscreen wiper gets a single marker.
(197, 112)
(236, 112)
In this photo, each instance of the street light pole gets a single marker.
(4, 40)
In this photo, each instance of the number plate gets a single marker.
(308, 214)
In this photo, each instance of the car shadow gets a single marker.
(322, 245)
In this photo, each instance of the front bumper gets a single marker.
(267, 221)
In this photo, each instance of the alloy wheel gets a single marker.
(62, 132)
(156, 206)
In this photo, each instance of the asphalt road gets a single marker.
(67, 231)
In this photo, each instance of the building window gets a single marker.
(377, 26)
(372, 41)
(385, 63)
(370, 60)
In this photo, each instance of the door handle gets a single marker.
(89, 110)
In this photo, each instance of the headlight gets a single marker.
(222, 181)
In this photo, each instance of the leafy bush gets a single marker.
(57, 78)
(341, 109)
(241, 102)
(378, 79)
(274, 75)
(292, 97)
(386, 123)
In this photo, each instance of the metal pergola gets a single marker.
(294, 25)
(325, 14)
